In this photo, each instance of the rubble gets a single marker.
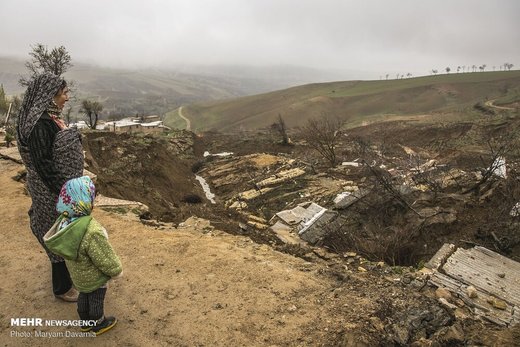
(307, 220)
(486, 281)
(347, 198)
(223, 154)
(280, 177)
(515, 211)
(499, 167)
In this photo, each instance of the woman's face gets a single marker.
(62, 97)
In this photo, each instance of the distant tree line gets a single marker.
(473, 68)
(460, 69)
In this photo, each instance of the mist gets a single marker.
(361, 39)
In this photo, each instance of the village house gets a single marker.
(140, 124)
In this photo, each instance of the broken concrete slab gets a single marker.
(315, 229)
(350, 163)
(11, 153)
(285, 233)
(280, 177)
(347, 198)
(253, 193)
(499, 167)
(441, 256)
(302, 212)
(486, 281)
(308, 220)
(104, 201)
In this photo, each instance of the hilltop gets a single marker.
(356, 102)
(158, 91)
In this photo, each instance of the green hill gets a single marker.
(157, 91)
(354, 101)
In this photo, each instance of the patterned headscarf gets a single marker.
(37, 99)
(76, 199)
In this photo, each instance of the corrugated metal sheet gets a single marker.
(495, 278)
(486, 270)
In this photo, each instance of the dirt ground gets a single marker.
(197, 286)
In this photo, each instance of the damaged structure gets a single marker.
(306, 221)
(485, 281)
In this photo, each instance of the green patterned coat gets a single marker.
(89, 256)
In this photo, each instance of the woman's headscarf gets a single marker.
(76, 199)
(38, 97)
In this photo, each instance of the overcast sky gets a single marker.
(372, 36)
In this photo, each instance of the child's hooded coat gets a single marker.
(80, 239)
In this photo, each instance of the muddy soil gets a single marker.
(197, 286)
(159, 171)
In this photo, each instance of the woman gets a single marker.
(52, 154)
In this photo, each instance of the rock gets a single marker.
(259, 226)
(459, 302)
(446, 304)
(377, 323)
(454, 335)
(350, 254)
(443, 293)
(361, 269)
(472, 292)
(460, 314)
(292, 308)
(422, 342)
(497, 303)
(401, 334)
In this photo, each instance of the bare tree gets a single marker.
(448, 69)
(323, 134)
(434, 71)
(281, 128)
(91, 109)
(494, 165)
(66, 115)
(56, 61)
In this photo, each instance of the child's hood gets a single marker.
(66, 242)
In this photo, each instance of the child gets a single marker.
(83, 243)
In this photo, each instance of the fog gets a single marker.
(366, 38)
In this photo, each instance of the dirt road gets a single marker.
(188, 122)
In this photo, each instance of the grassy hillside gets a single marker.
(155, 91)
(355, 101)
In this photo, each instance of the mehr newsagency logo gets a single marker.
(73, 328)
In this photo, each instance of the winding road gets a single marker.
(188, 123)
(490, 103)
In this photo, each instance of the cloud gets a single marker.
(380, 36)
